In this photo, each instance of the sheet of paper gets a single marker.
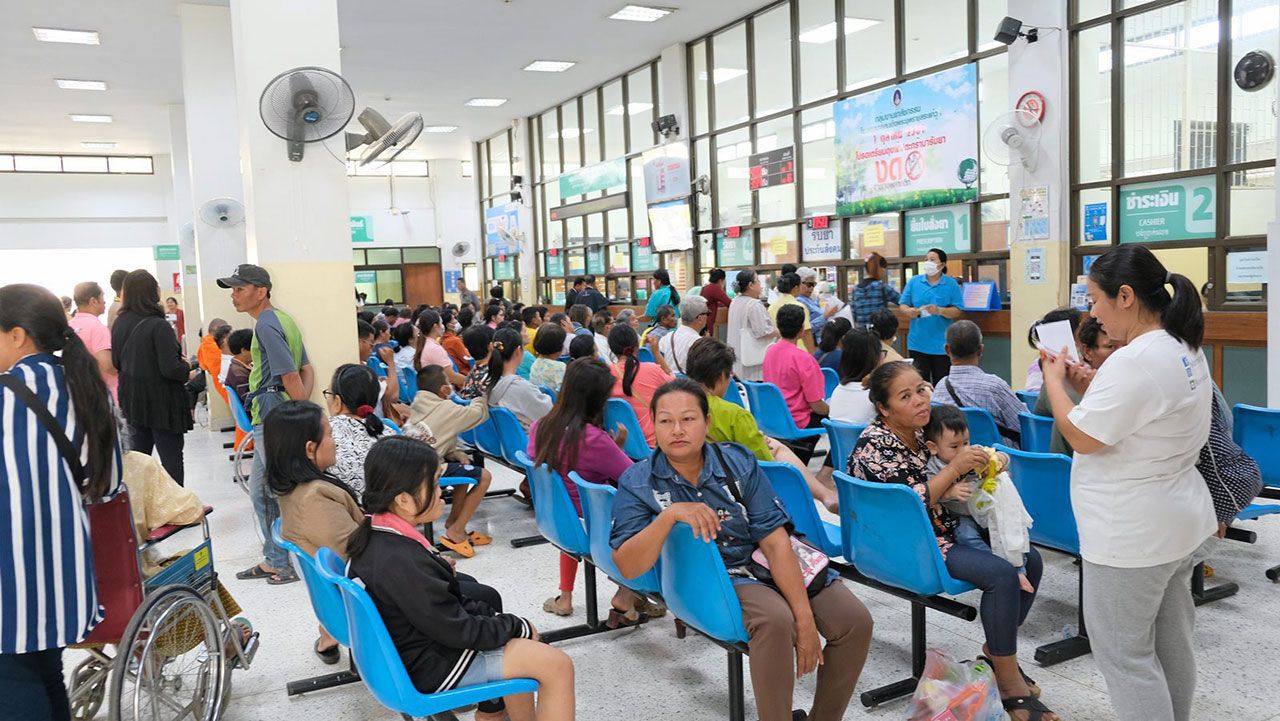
(1056, 335)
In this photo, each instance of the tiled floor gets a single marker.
(649, 674)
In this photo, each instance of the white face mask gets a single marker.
(931, 268)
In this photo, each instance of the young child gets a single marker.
(945, 436)
(547, 369)
(470, 641)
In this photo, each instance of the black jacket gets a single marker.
(592, 298)
(436, 629)
(153, 373)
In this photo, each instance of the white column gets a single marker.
(1273, 300)
(179, 210)
(212, 140)
(298, 220)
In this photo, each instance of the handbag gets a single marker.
(813, 562)
(1234, 482)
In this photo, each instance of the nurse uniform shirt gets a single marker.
(1140, 502)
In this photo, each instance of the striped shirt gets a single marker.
(47, 594)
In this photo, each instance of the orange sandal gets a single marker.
(479, 539)
(462, 548)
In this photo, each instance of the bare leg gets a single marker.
(464, 508)
(1011, 684)
(824, 495)
(551, 668)
(624, 599)
(326, 641)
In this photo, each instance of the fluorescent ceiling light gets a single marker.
(549, 66)
(96, 145)
(55, 35)
(486, 102)
(440, 128)
(632, 109)
(826, 33)
(641, 14)
(571, 133)
(80, 84)
(91, 118)
(723, 75)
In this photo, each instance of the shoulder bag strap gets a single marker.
(23, 393)
(731, 482)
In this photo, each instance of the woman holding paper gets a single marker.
(931, 301)
(750, 331)
(1141, 506)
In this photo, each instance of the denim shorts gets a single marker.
(486, 667)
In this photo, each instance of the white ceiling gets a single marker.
(428, 56)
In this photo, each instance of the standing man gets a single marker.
(117, 281)
(466, 295)
(93, 333)
(872, 292)
(590, 296)
(713, 291)
(571, 298)
(281, 372)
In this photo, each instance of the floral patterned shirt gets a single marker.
(881, 456)
(351, 444)
(475, 384)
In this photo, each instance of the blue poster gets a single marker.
(1095, 222)
(451, 278)
(501, 230)
(1087, 262)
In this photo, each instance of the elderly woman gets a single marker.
(750, 328)
(699, 482)
(892, 450)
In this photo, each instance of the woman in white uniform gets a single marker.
(750, 329)
(1141, 506)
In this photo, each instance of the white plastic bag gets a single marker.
(1001, 512)
(951, 690)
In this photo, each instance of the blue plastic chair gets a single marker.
(1028, 398)
(554, 514)
(830, 381)
(1257, 431)
(618, 412)
(1037, 432)
(379, 662)
(408, 384)
(843, 437)
(597, 512)
(645, 355)
(982, 427)
(1044, 482)
(793, 491)
(238, 412)
(772, 414)
(485, 437)
(549, 392)
(733, 394)
(325, 599)
(512, 437)
(391, 424)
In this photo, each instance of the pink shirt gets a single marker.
(95, 336)
(797, 375)
(647, 381)
(434, 354)
(600, 460)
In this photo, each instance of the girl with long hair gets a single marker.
(508, 390)
(636, 381)
(352, 398)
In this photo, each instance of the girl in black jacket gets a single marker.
(446, 638)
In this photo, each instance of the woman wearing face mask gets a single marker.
(931, 301)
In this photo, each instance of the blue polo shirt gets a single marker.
(929, 335)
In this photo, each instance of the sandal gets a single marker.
(1026, 703)
(624, 619)
(651, 609)
(550, 606)
(1035, 690)
(254, 572)
(330, 655)
(479, 539)
(462, 548)
(283, 578)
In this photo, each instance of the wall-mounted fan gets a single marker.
(306, 105)
(222, 212)
(385, 141)
(187, 233)
(1013, 137)
(461, 249)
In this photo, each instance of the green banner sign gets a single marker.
(362, 229)
(643, 259)
(735, 251)
(554, 264)
(601, 176)
(366, 276)
(944, 228)
(1183, 209)
(595, 260)
(504, 269)
(166, 252)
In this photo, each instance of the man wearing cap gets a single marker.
(873, 292)
(281, 371)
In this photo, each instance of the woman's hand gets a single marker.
(620, 436)
(808, 646)
(1080, 375)
(704, 521)
(1054, 367)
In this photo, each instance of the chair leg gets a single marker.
(329, 680)
(1204, 595)
(527, 541)
(593, 603)
(593, 624)
(737, 688)
(907, 686)
(1068, 648)
(1273, 573)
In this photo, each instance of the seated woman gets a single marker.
(710, 363)
(582, 347)
(449, 630)
(429, 349)
(479, 341)
(860, 353)
(698, 482)
(506, 389)
(352, 397)
(829, 349)
(892, 450)
(406, 336)
(547, 369)
(572, 437)
(636, 381)
(316, 508)
(601, 324)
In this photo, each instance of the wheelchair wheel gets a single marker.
(88, 688)
(170, 663)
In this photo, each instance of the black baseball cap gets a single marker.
(247, 274)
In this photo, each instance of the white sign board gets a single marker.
(1250, 267)
(824, 244)
(666, 172)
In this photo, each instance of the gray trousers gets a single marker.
(1141, 623)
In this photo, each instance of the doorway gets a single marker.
(423, 283)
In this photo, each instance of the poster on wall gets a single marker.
(501, 230)
(642, 258)
(1033, 216)
(361, 228)
(601, 176)
(821, 243)
(912, 145)
(595, 259)
(670, 226)
(666, 172)
(451, 278)
(944, 228)
(504, 269)
(1095, 222)
(1182, 209)
(735, 251)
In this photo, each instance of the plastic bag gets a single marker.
(951, 690)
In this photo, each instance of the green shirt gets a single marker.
(1057, 444)
(277, 350)
(734, 424)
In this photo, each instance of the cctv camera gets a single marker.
(1010, 29)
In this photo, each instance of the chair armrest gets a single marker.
(159, 534)
(450, 481)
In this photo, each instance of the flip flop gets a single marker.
(1026, 703)
(462, 548)
(283, 578)
(253, 572)
(330, 656)
(550, 606)
(479, 539)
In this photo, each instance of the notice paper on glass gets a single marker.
(1053, 337)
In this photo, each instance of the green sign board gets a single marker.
(595, 260)
(554, 264)
(643, 259)
(735, 251)
(166, 252)
(366, 276)
(1181, 209)
(504, 269)
(943, 228)
(601, 176)
(362, 229)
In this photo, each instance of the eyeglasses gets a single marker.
(329, 394)
(810, 284)
(703, 313)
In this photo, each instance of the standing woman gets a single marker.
(1141, 506)
(932, 301)
(749, 324)
(153, 374)
(663, 294)
(50, 599)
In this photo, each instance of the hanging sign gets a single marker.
(504, 269)
(361, 228)
(166, 252)
(1182, 209)
(671, 226)
(643, 259)
(774, 167)
(666, 172)
(601, 176)
(734, 250)
(501, 228)
(943, 228)
(821, 243)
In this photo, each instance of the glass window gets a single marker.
(698, 72)
(876, 233)
(482, 149)
(500, 164)
(817, 135)
(384, 256)
(1086, 9)
(639, 214)
(555, 228)
(995, 225)
(1247, 263)
(1252, 201)
(1170, 88)
(37, 163)
(869, 40)
(557, 292)
(777, 202)
(422, 255)
(817, 35)
(732, 252)
(357, 257)
(990, 13)
(702, 166)
(778, 245)
(549, 136)
(1253, 124)
(993, 100)
(83, 164)
(640, 110)
(615, 121)
(574, 232)
(1191, 262)
(733, 152)
(935, 31)
(730, 75)
(1097, 226)
(706, 252)
(1093, 111)
(570, 131)
(772, 43)
(591, 128)
(390, 286)
(129, 165)
(619, 258)
(595, 228)
(680, 267)
(6, 163)
(617, 225)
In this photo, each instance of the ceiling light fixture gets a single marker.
(440, 128)
(549, 66)
(90, 118)
(76, 37)
(723, 75)
(486, 102)
(826, 33)
(66, 84)
(641, 13)
(95, 145)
